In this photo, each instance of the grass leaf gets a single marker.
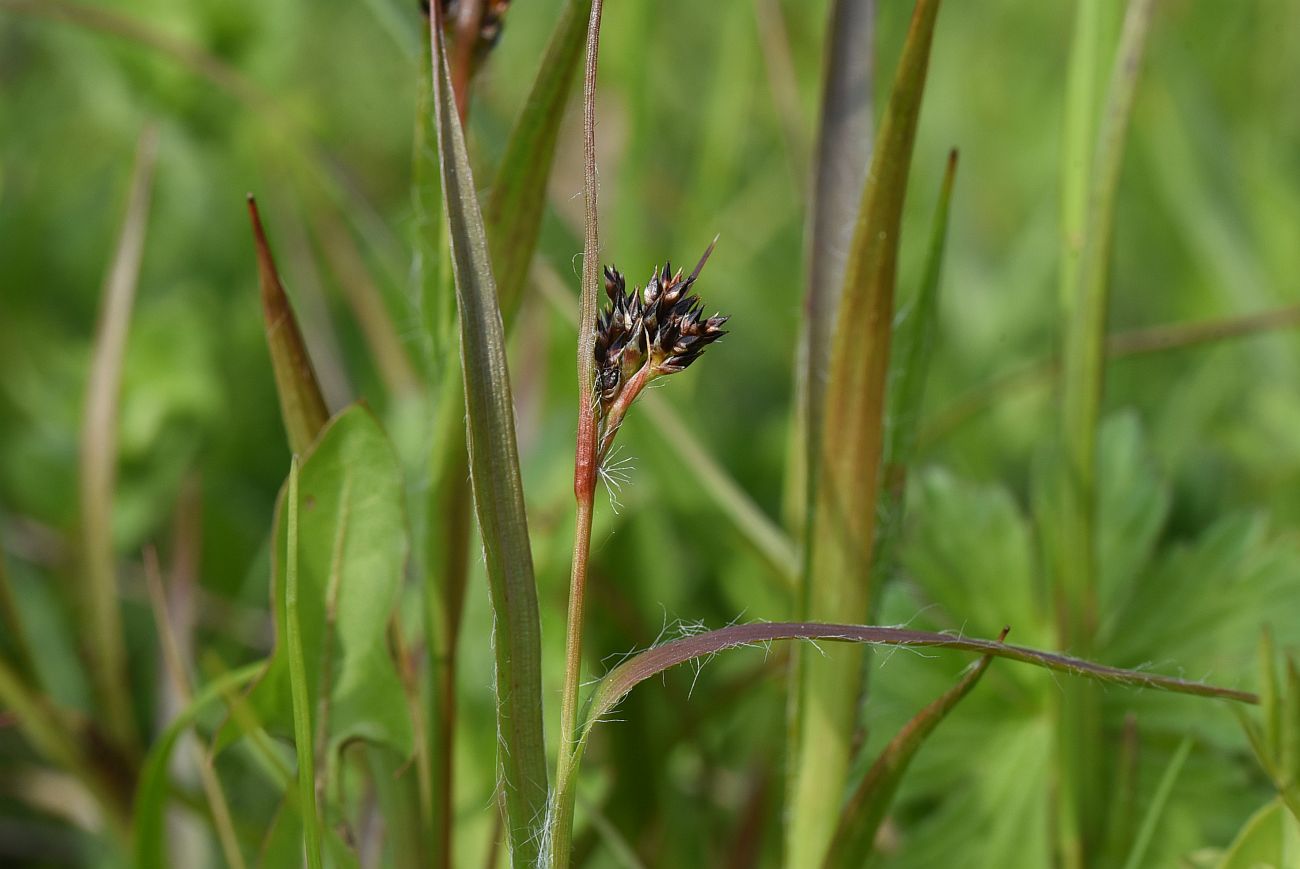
(498, 490)
(98, 457)
(1075, 556)
(1157, 805)
(153, 789)
(842, 157)
(302, 728)
(622, 679)
(301, 404)
(837, 582)
(513, 215)
(866, 807)
(909, 367)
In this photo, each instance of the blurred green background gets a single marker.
(706, 126)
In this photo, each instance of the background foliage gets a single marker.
(706, 120)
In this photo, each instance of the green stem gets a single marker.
(567, 766)
(1080, 808)
(559, 833)
(302, 736)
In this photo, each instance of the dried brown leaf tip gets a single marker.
(645, 334)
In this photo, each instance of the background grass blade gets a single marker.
(865, 809)
(837, 582)
(1080, 764)
(302, 405)
(1143, 341)
(1156, 807)
(153, 790)
(174, 663)
(354, 547)
(98, 458)
(513, 215)
(843, 153)
(913, 345)
(498, 491)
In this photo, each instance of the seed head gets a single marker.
(662, 327)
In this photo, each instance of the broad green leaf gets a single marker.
(353, 546)
(1270, 840)
(498, 491)
(837, 581)
(865, 809)
(301, 403)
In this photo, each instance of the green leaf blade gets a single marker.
(514, 209)
(909, 367)
(838, 580)
(865, 810)
(498, 490)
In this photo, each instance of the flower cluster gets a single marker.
(648, 333)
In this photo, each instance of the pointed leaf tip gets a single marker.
(302, 405)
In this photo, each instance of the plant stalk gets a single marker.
(559, 836)
(1081, 786)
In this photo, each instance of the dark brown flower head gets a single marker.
(662, 327)
(620, 347)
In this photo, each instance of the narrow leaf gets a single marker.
(622, 679)
(16, 644)
(105, 644)
(842, 156)
(847, 477)
(1157, 805)
(498, 490)
(1270, 701)
(1085, 335)
(301, 403)
(302, 729)
(909, 367)
(514, 209)
(152, 791)
(1073, 555)
(174, 662)
(866, 807)
(1084, 79)
(766, 537)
